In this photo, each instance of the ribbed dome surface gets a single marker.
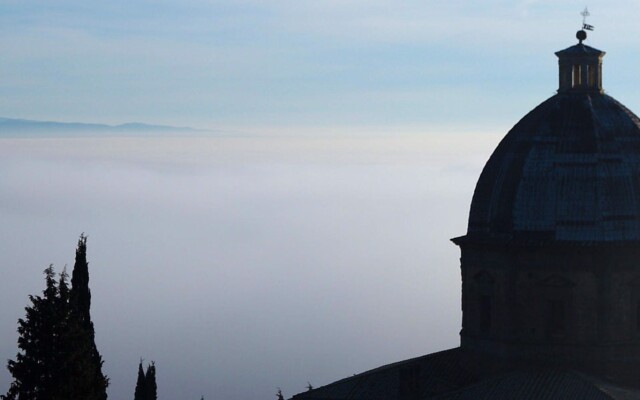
(568, 171)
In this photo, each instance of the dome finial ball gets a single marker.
(581, 35)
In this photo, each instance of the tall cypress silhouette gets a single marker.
(76, 367)
(80, 308)
(80, 292)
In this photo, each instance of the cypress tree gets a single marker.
(57, 358)
(140, 384)
(76, 369)
(35, 369)
(80, 292)
(65, 345)
(150, 387)
(80, 306)
(146, 388)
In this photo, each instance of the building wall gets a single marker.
(553, 304)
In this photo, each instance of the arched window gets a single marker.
(577, 76)
(556, 317)
(557, 290)
(634, 306)
(591, 75)
(485, 283)
(485, 313)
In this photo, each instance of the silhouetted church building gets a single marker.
(550, 262)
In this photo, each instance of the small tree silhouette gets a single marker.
(139, 393)
(151, 389)
(146, 388)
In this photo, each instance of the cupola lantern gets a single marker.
(580, 68)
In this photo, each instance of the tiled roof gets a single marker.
(580, 50)
(433, 374)
(568, 171)
(444, 376)
(545, 385)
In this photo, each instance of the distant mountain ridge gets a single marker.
(18, 127)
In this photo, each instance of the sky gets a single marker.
(308, 242)
(251, 64)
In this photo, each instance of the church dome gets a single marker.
(569, 170)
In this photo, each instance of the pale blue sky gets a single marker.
(252, 64)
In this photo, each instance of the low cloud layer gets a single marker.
(242, 265)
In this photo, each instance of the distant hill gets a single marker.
(10, 127)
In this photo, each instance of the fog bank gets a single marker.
(240, 265)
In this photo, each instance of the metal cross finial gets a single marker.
(585, 14)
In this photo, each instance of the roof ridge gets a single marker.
(379, 369)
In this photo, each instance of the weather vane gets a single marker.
(585, 14)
